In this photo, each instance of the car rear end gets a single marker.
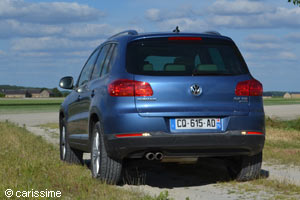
(183, 95)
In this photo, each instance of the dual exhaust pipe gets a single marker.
(154, 156)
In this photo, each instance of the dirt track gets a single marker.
(194, 181)
(285, 112)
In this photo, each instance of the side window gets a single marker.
(113, 58)
(108, 60)
(88, 68)
(100, 61)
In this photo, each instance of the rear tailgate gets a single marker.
(173, 97)
(174, 66)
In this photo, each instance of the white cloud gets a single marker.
(262, 38)
(153, 14)
(279, 17)
(185, 24)
(34, 54)
(90, 30)
(52, 44)
(239, 7)
(13, 28)
(288, 56)
(158, 15)
(261, 46)
(244, 14)
(47, 12)
(293, 37)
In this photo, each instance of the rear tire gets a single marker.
(102, 166)
(68, 154)
(246, 168)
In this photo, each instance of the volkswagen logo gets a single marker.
(196, 90)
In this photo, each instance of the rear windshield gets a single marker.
(183, 58)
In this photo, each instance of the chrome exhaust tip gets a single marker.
(150, 156)
(159, 156)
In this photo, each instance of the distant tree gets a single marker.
(56, 93)
(65, 93)
(295, 2)
(2, 95)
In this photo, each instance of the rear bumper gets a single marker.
(229, 143)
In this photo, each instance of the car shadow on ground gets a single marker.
(174, 175)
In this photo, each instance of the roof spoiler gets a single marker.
(212, 33)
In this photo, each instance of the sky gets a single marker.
(42, 41)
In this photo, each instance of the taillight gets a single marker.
(126, 88)
(249, 88)
(254, 133)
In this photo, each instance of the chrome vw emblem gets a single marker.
(196, 90)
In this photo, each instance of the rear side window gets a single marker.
(184, 58)
(100, 61)
(106, 66)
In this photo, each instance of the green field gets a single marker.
(29, 105)
(280, 101)
(282, 141)
(30, 101)
(30, 163)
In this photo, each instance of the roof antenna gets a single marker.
(176, 30)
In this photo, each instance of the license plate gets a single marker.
(195, 123)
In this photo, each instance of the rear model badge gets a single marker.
(146, 99)
(196, 90)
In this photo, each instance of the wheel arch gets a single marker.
(94, 117)
(61, 117)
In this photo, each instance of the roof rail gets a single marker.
(127, 32)
(212, 32)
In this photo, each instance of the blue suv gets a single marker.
(163, 97)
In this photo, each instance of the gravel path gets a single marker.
(200, 181)
(285, 112)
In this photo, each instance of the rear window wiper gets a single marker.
(199, 73)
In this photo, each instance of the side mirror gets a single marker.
(66, 82)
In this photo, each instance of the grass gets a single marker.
(30, 101)
(263, 189)
(28, 109)
(29, 105)
(282, 146)
(282, 141)
(285, 125)
(280, 101)
(29, 163)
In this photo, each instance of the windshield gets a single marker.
(188, 58)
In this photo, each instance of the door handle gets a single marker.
(93, 93)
